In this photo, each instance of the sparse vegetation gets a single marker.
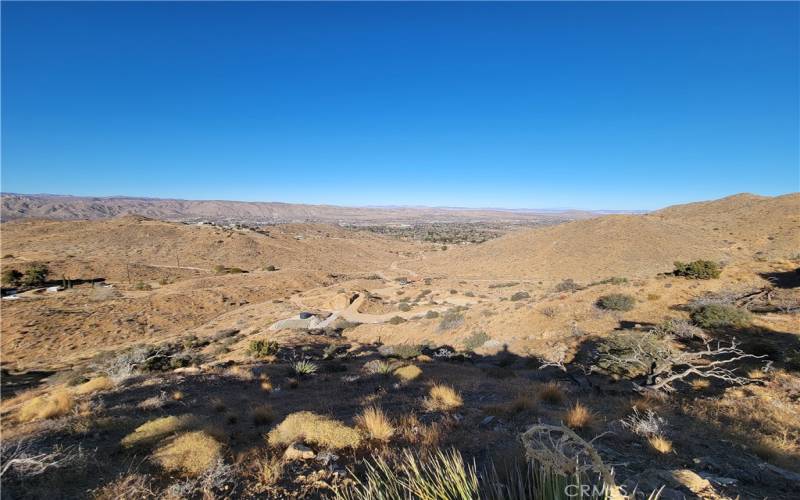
(94, 385)
(35, 275)
(408, 373)
(304, 368)
(314, 429)
(552, 392)
(156, 429)
(520, 296)
(578, 417)
(568, 285)
(451, 320)
(616, 302)
(11, 277)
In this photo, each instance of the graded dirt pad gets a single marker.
(481, 320)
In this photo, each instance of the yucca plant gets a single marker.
(304, 368)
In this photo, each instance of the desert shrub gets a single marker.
(552, 393)
(633, 354)
(680, 329)
(568, 285)
(154, 430)
(262, 414)
(519, 296)
(408, 373)
(36, 274)
(263, 348)
(404, 306)
(616, 302)
(397, 320)
(645, 424)
(504, 285)
(56, 404)
(720, 316)
(431, 315)
(450, 320)
(271, 268)
(614, 280)
(578, 417)
(442, 398)
(11, 277)
(698, 269)
(313, 429)
(94, 385)
(375, 424)
(404, 351)
(476, 340)
(189, 454)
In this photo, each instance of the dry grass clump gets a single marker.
(313, 429)
(408, 373)
(177, 395)
(375, 424)
(262, 415)
(579, 417)
(242, 373)
(552, 393)
(126, 486)
(156, 429)
(55, 404)
(270, 470)
(417, 433)
(189, 454)
(521, 402)
(442, 398)
(700, 384)
(94, 385)
(660, 444)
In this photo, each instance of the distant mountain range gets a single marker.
(65, 207)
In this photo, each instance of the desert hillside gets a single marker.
(733, 229)
(25, 206)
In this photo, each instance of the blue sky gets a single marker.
(600, 106)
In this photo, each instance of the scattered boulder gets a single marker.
(297, 451)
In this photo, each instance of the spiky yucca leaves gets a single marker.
(304, 368)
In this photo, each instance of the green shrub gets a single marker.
(404, 306)
(476, 340)
(35, 275)
(304, 368)
(698, 269)
(616, 302)
(141, 285)
(271, 268)
(404, 351)
(263, 348)
(431, 315)
(396, 320)
(720, 316)
(614, 280)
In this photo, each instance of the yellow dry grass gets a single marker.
(375, 424)
(314, 429)
(408, 373)
(700, 384)
(189, 454)
(660, 444)
(579, 417)
(271, 469)
(55, 404)
(156, 429)
(442, 398)
(94, 385)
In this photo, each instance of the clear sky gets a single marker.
(613, 106)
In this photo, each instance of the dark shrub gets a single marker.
(404, 306)
(450, 320)
(699, 269)
(397, 320)
(476, 340)
(631, 353)
(568, 285)
(11, 277)
(431, 315)
(616, 302)
(520, 296)
(720, 316)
